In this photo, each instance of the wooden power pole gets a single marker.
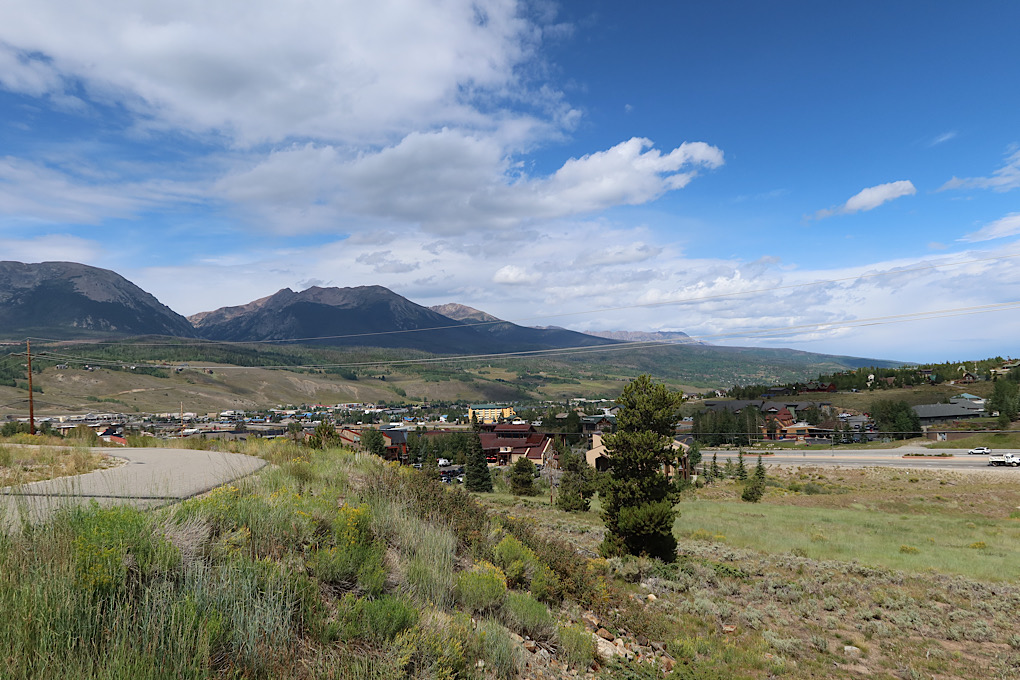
(31, 397)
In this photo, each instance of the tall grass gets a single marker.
(943, 542)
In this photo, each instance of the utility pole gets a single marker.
(31, 398)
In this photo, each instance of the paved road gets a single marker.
(149, 477)
(960, 461)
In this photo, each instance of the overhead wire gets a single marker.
(638, 305)
(777, 331)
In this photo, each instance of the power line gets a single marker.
(776, 331)
(661, 303)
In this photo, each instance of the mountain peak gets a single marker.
(459, 312)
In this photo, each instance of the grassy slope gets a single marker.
(897, 563)
(328, 561)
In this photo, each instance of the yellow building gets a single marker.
(490, 413)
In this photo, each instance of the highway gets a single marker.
(851, 458)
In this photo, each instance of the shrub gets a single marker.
(501, 653)
(527, 616)
(111, 543)
(482, 589)
(438, 647)
(577, 648)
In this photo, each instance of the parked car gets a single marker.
(443, 462)
(980, 449)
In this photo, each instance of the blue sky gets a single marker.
(657, 166)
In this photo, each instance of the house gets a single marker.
(505, 444)
(597, 457)
(490, 413)
(933, 414)
(592, 424)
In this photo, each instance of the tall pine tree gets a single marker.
(476, 472)
(638, 506)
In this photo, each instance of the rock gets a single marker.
(667, 664)
(604, 634)
(515, 637)
(729, 628)
(641, 640)
(590, 620)
(479, 664)
(605, 648)
(658, 646)
(651, 597)
(850, 650)
(530, 646)
(544, 655)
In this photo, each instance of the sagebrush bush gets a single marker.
(577, 647)
(500, 652)
(481, 589)
(527, 616)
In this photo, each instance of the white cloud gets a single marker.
(328, 69)
(450, 182)
(1000, 228)
(35, 192)
(1004, 179)
(943, 138)
(53, 248)
(514, 275)
(870, 198)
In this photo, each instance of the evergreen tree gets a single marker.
(638, 505)
(729, 469)
(372, 440)
(476, 472)
(741, 468)
(522, 478)
(715, 466)
(576, 486)
(754, 491)
(325, 436)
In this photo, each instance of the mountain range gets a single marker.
(67, 300)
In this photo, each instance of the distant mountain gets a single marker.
(675, 337)
(463, 313)
(377, 317)
(70, 300)
(498, 330)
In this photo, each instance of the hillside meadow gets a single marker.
(332, 564)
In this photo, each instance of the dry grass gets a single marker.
(26, 464)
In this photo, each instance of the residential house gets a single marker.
(505, 444)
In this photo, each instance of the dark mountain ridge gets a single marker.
(373, 316)
(71, 300)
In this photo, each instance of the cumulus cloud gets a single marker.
(513, 275)
(870, 198)
(1004, 179)
(451, 182)
(340, 70)
(1000, 228)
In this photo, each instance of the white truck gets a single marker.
(1004, 459)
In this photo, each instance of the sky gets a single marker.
(832, 178)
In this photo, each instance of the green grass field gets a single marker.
(916, 543)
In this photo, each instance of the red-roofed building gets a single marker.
(505, 444)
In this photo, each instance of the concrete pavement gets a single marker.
(150, 477)
(857, 458)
